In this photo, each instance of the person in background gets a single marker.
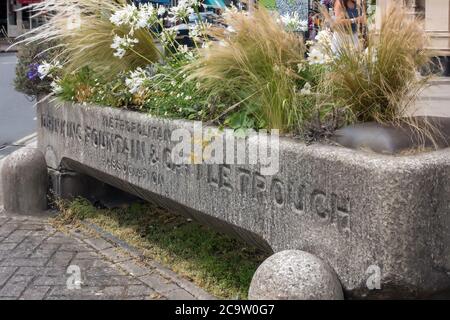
(349, 22)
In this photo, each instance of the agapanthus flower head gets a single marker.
(122, 44)
(126, 16)
(136, 80)
(168, 36)
(56, 87)
(183, 49)
(147, 16)
(182, 11)
(45, 69)
(324, 38)
(293, 23)
(161, 10)
(135, 17)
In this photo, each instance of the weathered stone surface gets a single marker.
(295, 274)
(359, 212)
(24, 181)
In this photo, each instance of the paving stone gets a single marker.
(134, 268)
(8, 246)
(84, 290)
(43, 253)
(105, 270)
(6, 273)
(99, 243)
(61, 258)
(8, 228)
(159, 283)
(102, 280)
(59, 238)
(91, 265)
(86, 255)
(32, 227)
(51, 280)
(41, 271)
(139, 290)
(24, 249)
(3, 254)
(15, 286)
(35, 293)
(180, 294)
(115, 255)
(114, 291)
(17, 235)
(23, 262)
(75, 247)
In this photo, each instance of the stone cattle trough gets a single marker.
(381, 222)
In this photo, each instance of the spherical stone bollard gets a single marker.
(295, 275)
(24, 181)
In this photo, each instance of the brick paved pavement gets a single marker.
(35, 257)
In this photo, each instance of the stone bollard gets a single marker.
(24, 181)
(295, 275)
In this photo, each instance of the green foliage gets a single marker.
(85, 85)
(85, 33)
(171, 94)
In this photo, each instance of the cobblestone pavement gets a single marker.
(39, 262)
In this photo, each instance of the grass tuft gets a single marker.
(84, 34)
(252, 68)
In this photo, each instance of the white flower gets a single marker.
(56, 87)
(315, 56)
(121, 45)
(195, 31)
(293, 23)
(188, 98)
(125, 16)
(136, 80)
(371, 54)
(183, 49)
(168, 35)
(161, 10)
(134, 17)
(46, 69)
(182, 10)
(324, 38)
(306, 90)
(147, 16)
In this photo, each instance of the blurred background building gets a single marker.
(14, 20)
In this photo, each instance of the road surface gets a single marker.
(17, 112)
